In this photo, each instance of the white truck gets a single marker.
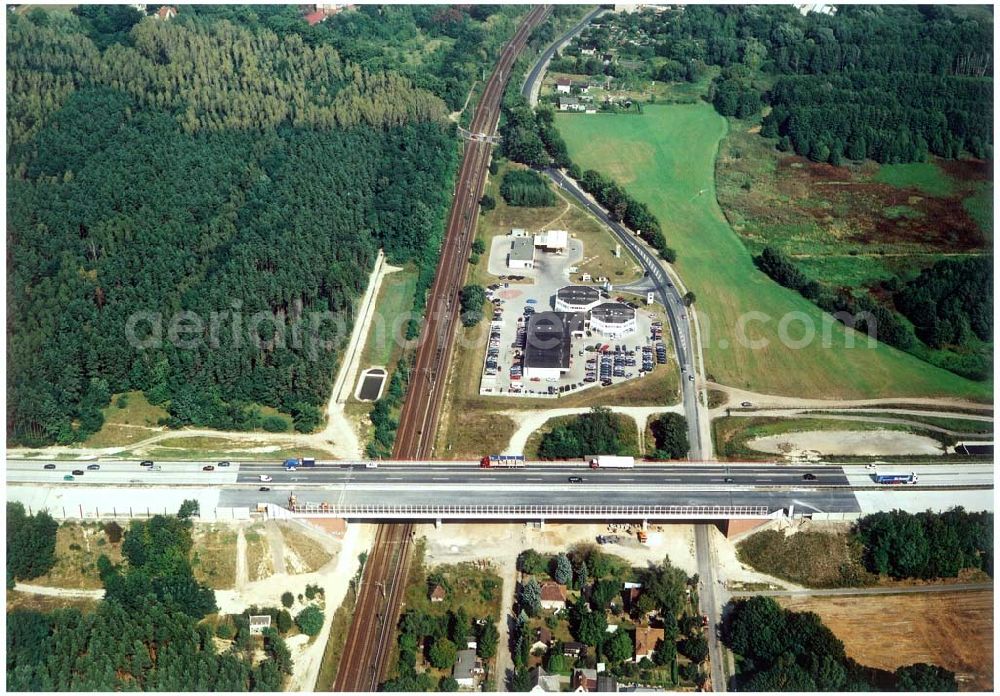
(608, 461)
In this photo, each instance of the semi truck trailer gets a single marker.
(607, 461)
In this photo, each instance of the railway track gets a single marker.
(365, 658)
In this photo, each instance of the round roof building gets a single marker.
(577, 298)
(613, 319)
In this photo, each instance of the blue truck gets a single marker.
(293, 464)
(894, 479)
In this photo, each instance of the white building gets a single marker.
(564, 85)
(522, 254)
(552, 240)
(577, 298)
(613, 319)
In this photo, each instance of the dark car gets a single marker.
(746, 404)
(146, 462)
(575, 479)
(728, 479)
(49, 466)
(78, 472)
(809, 477)
(208, 468)
(93, 467)
(223, 464)
(263, 488)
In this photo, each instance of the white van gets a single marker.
(371, 465)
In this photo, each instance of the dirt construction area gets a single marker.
(953, 630)
(846, 442)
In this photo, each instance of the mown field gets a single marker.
(666, 158)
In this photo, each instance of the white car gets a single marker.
(371, 465)
(264, 478)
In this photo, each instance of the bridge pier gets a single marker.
(645, 525)
(735, 527)
(437, 523)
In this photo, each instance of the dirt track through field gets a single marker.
(954, 631)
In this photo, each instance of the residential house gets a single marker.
(438, 593)
(583, 681)
(543, 682)
(574, 649)
(314, 18)
(606, 684)
(258, 623)
(467, 667)
(564, 85)
(543, 639)
(166, 12)
(570, 104)
(553, 595)
(646, 639)
(583, 87)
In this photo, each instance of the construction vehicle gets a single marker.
(502, 461)
(607, 461)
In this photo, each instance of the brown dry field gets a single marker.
(954, 631)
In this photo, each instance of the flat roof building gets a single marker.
(522, 253)
(552, 240)
(548, 343)
(577, 298)
(613, 319)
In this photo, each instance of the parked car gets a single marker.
(78, 472)
(93, 467)
(746, 404)
(208, 468)
(49, 466)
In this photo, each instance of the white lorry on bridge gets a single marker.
(607, 461)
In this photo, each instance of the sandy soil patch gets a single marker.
(846, 442)
(951, 630)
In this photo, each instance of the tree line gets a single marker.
(782, 650)
(928, 544)
(31, 544)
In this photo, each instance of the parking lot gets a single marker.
(595, 360)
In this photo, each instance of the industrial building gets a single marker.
(548, 343)
(613, 319)
(522, 253)
(577, 298)
(552, 240)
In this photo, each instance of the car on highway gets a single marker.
(49, 466)
(371, 465)
(68, 477)
(223, 464)
(728, 479)
(78, 472)
(93, 467)
(690, 378)
(575, 479)
(808, 477)
(208, 468)
(263, 488)
(746, 404)
(146, 462)
(156, 467)
(264, 478)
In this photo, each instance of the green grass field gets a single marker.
(665, 158)
(925, 176)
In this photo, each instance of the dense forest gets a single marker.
(194, 205)
(31, 544)
(783, 650)
(145, 635)
(889, 83)
(525, 188)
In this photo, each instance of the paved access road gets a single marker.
(859, 591)
(538, 69)
(669, 296)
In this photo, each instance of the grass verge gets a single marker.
(811, 559)
(339, 629)
(214, 556)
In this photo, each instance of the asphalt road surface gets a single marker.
(669, 296)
